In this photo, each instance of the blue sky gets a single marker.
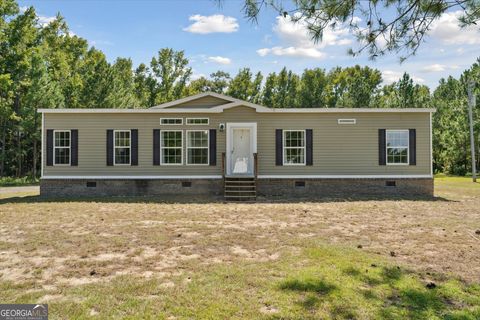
(220, 38)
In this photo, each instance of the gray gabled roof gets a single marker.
(230, 102)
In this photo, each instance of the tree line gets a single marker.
(46, 66)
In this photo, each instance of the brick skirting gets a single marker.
(130, 187)
(213, 188)
(345, 188)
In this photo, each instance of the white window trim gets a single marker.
(129, 147)
(161, 149)
(347, 121)
(197, 124)
(171, 124)
(284, 148)
(69, 149)
(187, 147)
(387, 147)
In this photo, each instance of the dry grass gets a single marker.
(48, 249)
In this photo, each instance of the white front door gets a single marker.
(241, 144)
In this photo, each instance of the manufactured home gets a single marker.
(212, 145)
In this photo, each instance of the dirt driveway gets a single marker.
(23, 189)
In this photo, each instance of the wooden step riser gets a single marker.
(240, 189)
(234, 194)
(240, 183)
(241, 186)
(241, 198)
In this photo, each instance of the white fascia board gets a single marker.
(260, 109)
(129, 111)
(349, 110)
(190, 177)
(406, 176)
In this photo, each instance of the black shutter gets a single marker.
(156, 147)
(213, 147)
(134, 147)
(412, 143)
(74, 147)
(382, 147)
(278, 147)
(309, 146)
(49, 147)
(109, 147)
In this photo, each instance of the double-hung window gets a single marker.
(197, 147)
(122, 147)
(171, 146)
(62, 147)
(294, 147)
(397, 146)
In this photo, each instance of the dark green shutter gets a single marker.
(412, 144)
(134, 147)
(382, 147)
(109, 147)
(278, 147)
(309, 147)
(50, 147)
(213, 147)
(74, 147)
(156, 147)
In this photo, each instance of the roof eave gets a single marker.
(259, 109)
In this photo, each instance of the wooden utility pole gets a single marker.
(471, 105)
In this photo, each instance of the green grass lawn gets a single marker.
(320, 282)
(246, 261)
(24, 181)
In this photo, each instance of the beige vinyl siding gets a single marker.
(337, 149)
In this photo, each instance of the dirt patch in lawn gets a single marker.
(58, 244)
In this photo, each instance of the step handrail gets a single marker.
(255, 165)
(223, 165)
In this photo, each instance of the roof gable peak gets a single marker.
(198, 96)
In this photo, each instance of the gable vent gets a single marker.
(347, 121)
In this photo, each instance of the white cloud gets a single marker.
(390, 76)
(212, 24)
(434, 68)
(220, 60)
(439, 67)
(356, 20)
(196, 76)
(292, 52)
(22, 9)
(263, 52)
(99, 42)
(297, 41)
(447, 30)
(297, 34)
(44, 21)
